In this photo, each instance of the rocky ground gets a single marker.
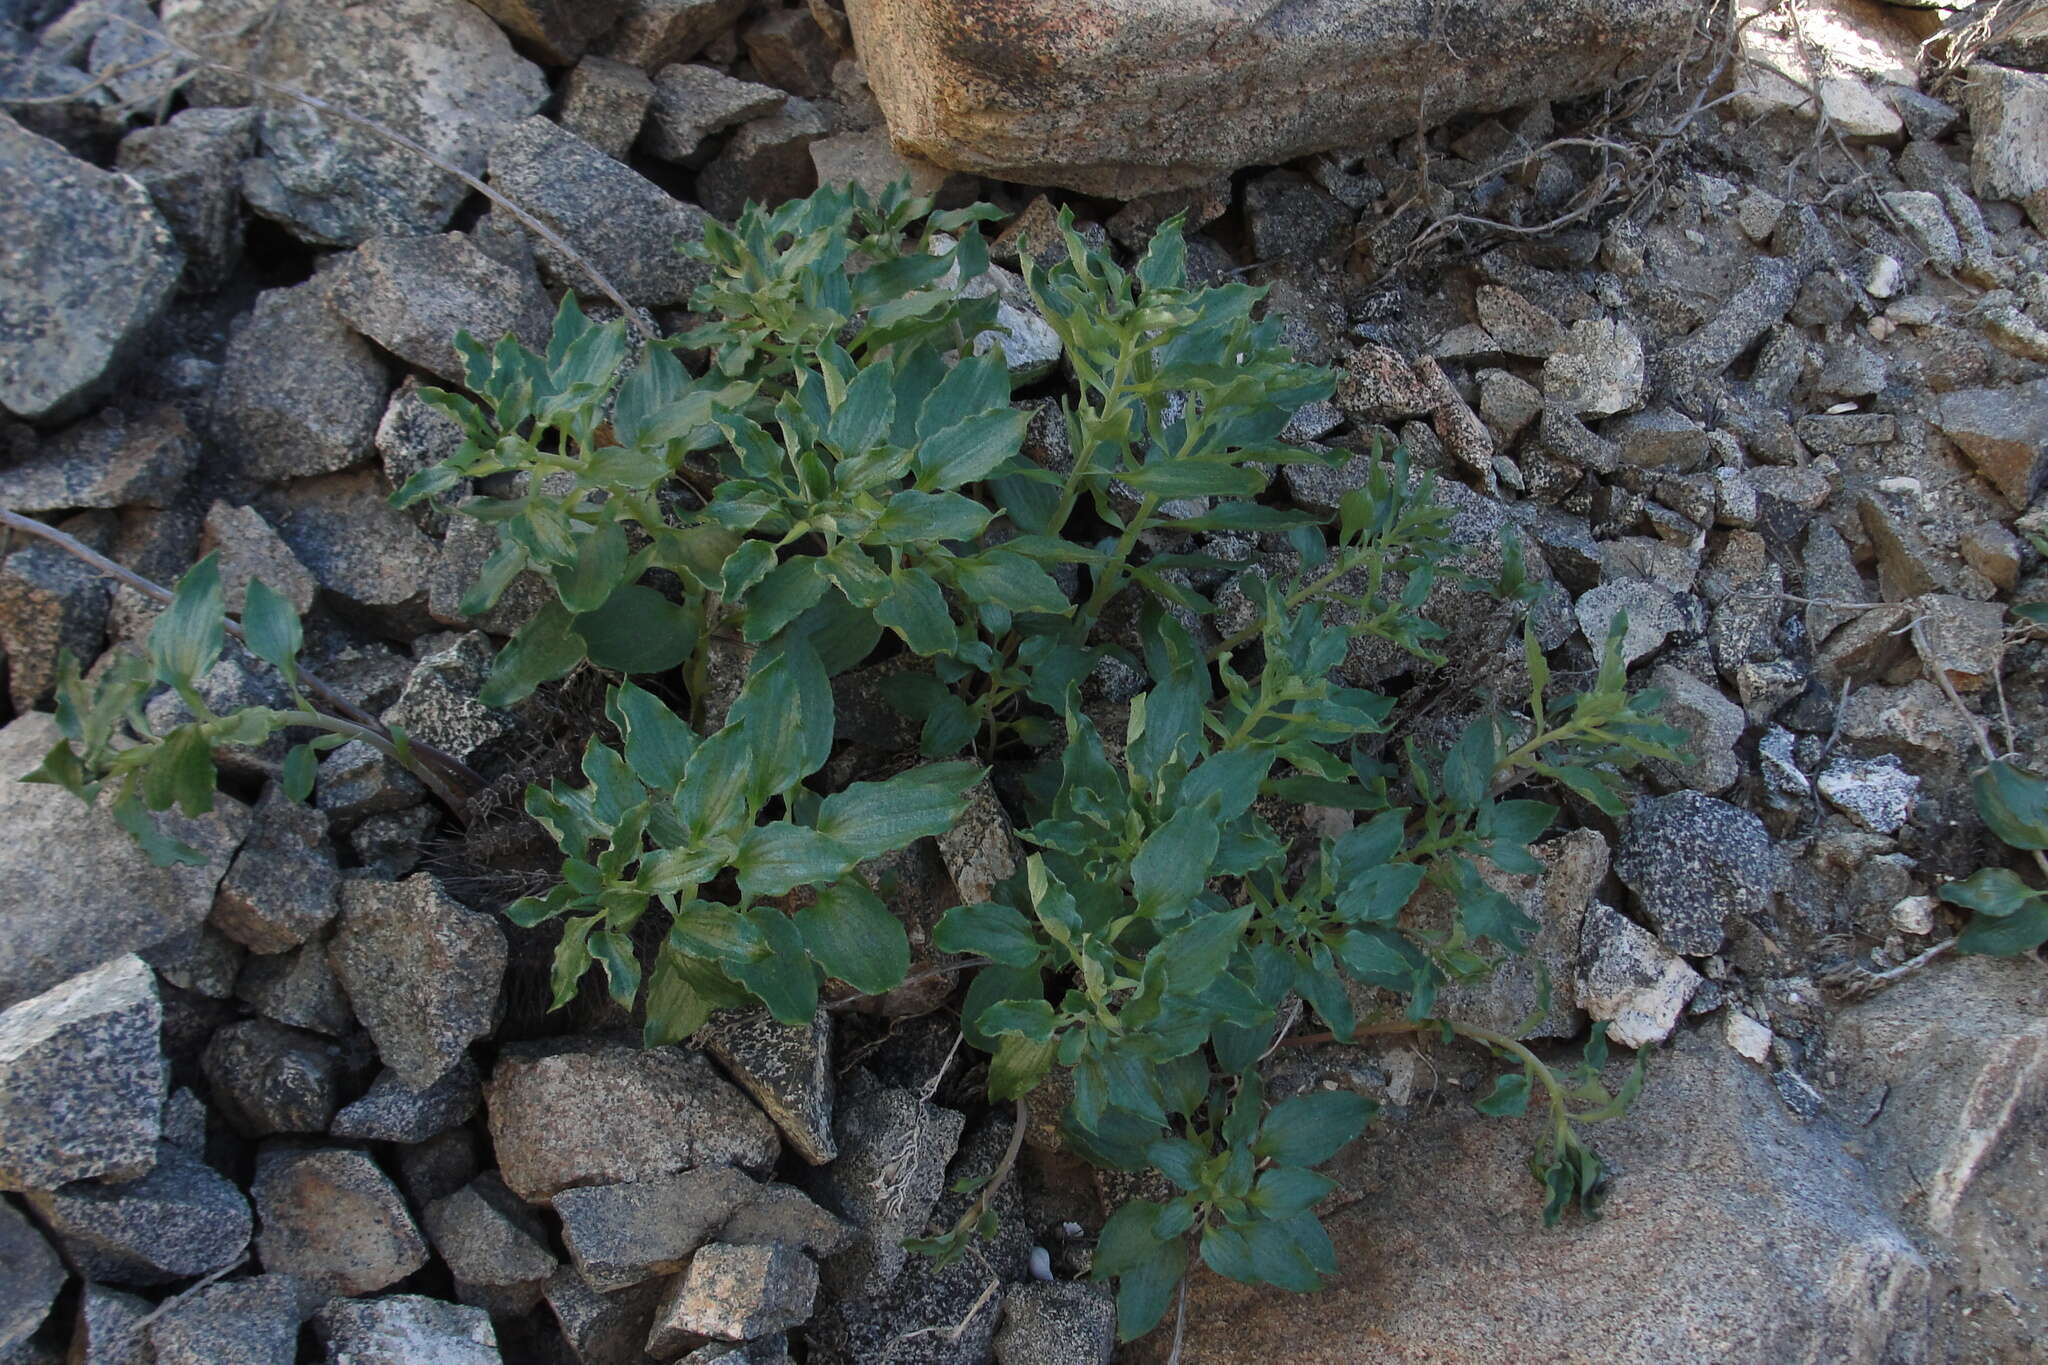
(1754, 348)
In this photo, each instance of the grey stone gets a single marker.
(893, 1152)
(691, 102)
(2004, 432)
(30, 1276)
(1876, 793)
(558, 31)
(439, 704)
(119, 457)
(1556, 898)
(435, 71)
(1756, 1237)
(82, 1079)
(1694, 863)
(1379, 385)
(605, 103)
(865, 157)
(50, 603)
(296, 988)
(734, 1293)
(406, 1329)
(603, 1329)
(421, 971)
(356, 781)
(204, 961)
(1927, 220)
(2009, 150)
(493, 1244)
(465, 549)
(1630, 980)
(653, 33)
(393, 1112)
(237, 1322)
(391, 845)
(265, 1078)
(413, 436)
(786, 1215)
(280, 890)
(331, 1218)
(1652, 616)
(360, 547)
(250, 549)
(89, 268)
(605, 211)
(1598, 370)
(438, 1167)
(1516, 325)
(788, 1071)
(1714, 724)
(591, 1111)
(2013, 332)
(1659, 438)
(1764, 298)
(767, 161)
(1292, 218)
(1056, 1323)
(620, 1235)
(791, 51)
(110, 1330)
(1201, 94)
(413, 295)
(191, 167)
(180, 1220)
(299, 393)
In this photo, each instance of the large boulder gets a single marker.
(1130, 97)
(1733, 1234)
(89, 266)
(74, 889)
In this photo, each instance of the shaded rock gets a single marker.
(734, 1293)
(393, 1112)
(1055, 1323)
(558, 31)
(767, 161)
(1755, 1236)
(413, 295)
(331, 1218)
(590, 1111)
(691, 102)
(1627, 978)
(1556, 899)
(1695, 862)
(1516, 325)
(1715, 726)
(2004, 432)
(605, 103)
(297, 988)
(361, 548)
(299, 393)
(893, 1151)
(421, 971)
(356, 781)
(2009, 151)
(788, 1071)
(1380, 385)
(191, 167)
(406, 1329)
(30, 1276)
(620, 1235)
(74, 888)
(791, 52)
(250, 548)
(465, 549)
(435, 71)
(1660, 438)
(865, 157)
(784, 1214)
(180, 1220)
(280, 890)
(118, 457)
(50, 602)
(412, 436)
(1597, 370)
(605, 211)
(1765, 297)
(1202, 93)
(205, 962)
(1876, 793)
(603, 1329)
(82, 1079)
(265, 1078)
(493, 1244)
(653, 33)
(89, 268)
(237, 1322)
(110, 1330)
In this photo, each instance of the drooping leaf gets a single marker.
(873, 818)
(855, 938)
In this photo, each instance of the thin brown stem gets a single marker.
(968, 965)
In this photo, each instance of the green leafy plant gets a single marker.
(830, 470)
(2008, 917)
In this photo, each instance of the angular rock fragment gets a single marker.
(493, 1244)
(414, 295)
(265, 1078)
(2004, 432)
(331, 1218)
(620, 1235)
(603, 1329)
(299, 393)
(1695, 863)
(653, 33)
(791, 52)
(236, 1322)
(2009, 151)
(110, 1329)
(180, 1220)
(296, 988)
(89, 267)
(82, 1079)
(422, 972)
(767, 161)
(691, 102)
(591, 1111)
(406, 1329)
(1876, 793)
(1597, 370)
(191, 167)
(281, 889)
(605, 103)
(394, 1112)
(1630, 980)
(250, 551)
(121, 456)
(30, 1276)
(1056, 1323)
(734, 1293)
(558, 31)
(788, 1071)
(893, 1151)
(50, 603)
(362, 549)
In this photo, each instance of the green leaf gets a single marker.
(186, 639)
(572, 959)
(2022, 931)
(1308, 1130)
(1127, 1240)
(1019, 1065)
(599, 566)
(542, 650)
(181, 773)
(916, 610)
(1376, 896)
(863, 418)
(676, 1007)
(873, 818)
(637, 630)
(270, 628)
(158, 847)
(506, 563)
(1509, 1098)
(621, 969)
(658, 742)
(1145, 1291)
(745, 567)
(1225, 1251)
(1010, 581)
(1196, 479)
(2014, 804)
(776, 858)
(1990, 891)
(913, 516)
(993, 931)
(970, 450)
(1173, 864)
(1030, 1019)
(1196, 952)
(855, 938)
(1593, 785)
(782, 977)
(790, 589)
(1284, 1191)
(1468, 768)
(301, 766)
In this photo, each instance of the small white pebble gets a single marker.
(1838, 409)
(1747, 1036)
(1880, 328)
(1041, 1264)
(1914, 915)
